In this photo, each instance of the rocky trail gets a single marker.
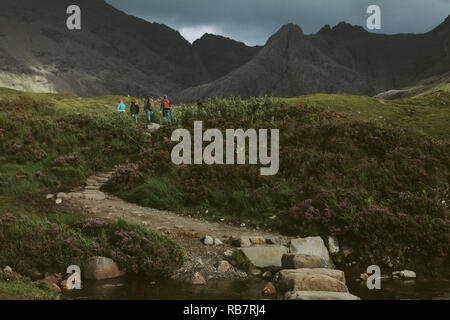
(188, 232)
(306, 268)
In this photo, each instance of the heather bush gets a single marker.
(29, 243)
(62, 147)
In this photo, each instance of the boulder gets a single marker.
(265, 256)
(58, 201)
(217, 242)
(311, 280)
(223, 266)
(318, 295)
(313, 246)
(298, 261)
(49, 196)
(100, 268)
(209, 241)
(197, 279)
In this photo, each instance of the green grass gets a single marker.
(426, 114)
(23, 289)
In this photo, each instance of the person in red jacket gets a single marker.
(165, 107)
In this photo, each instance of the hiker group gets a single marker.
(164, 102)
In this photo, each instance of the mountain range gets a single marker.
(116, 53)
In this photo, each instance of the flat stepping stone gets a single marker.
(319, 295)
(265, 256)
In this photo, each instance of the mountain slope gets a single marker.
(113, 53)
(222, 55)
(345, 58)
(287, 64)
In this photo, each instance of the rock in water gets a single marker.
(311, 280)
(209, 241)
(269, 289)
(405, 274)
(197, 279)
(319, 295)
(100, 268)
(313, 246)
(298, 261)
(265, 256)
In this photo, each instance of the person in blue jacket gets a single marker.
(121, 107)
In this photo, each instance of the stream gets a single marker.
(134, 288)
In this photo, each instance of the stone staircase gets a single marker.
(94, 183)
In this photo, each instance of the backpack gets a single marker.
(166, 104)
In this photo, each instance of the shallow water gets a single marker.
(419, 289)
(133, 288)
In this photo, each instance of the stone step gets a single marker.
(92, 187)
(95, 196)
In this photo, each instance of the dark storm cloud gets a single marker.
(253, 21)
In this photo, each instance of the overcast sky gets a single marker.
(253, 21)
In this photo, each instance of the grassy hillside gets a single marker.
(374, 173)
(55, 141)
(48, 140)
(427, 114)
(381, 188)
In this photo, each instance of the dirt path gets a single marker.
(186, 231)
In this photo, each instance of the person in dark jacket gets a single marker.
(149, 109)
(134, 110)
